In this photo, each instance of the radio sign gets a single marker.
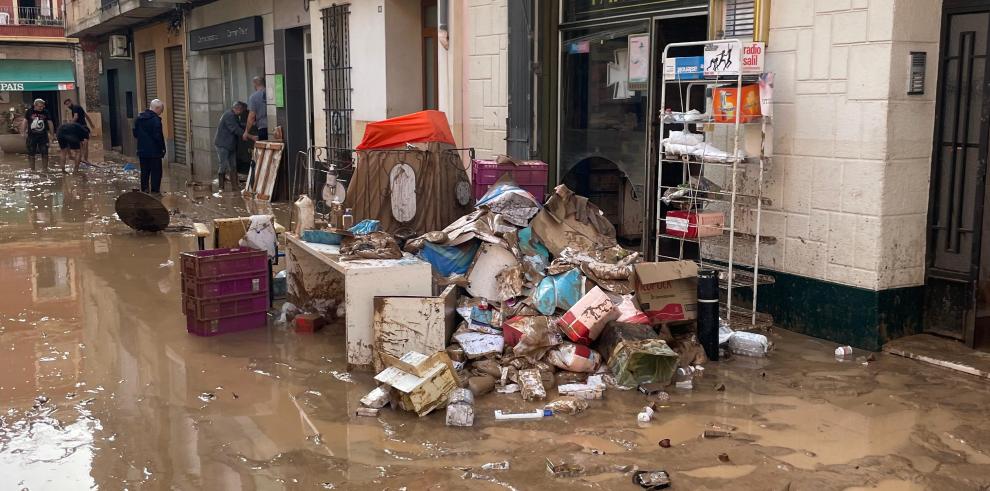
(723, 58)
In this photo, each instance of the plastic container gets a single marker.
(530, 175)
(223, 326)
(221, 308)
(305, 214)
(749, 344)
(223, 263)
(256, 282)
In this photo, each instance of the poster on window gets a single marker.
(639, 61)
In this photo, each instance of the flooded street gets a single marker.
(102, 388)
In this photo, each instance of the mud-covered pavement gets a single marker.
(101, 387)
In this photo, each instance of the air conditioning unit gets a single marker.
(120, 48)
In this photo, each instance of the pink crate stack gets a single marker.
(224, 290)
(530, 175)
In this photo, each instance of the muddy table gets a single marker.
(319, 281)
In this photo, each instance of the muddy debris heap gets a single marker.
(550, 308)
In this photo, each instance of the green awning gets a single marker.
(36, 75)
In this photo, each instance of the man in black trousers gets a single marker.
(150, 146)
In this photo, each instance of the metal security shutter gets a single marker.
(148, 64)
(178, 103)
(740, 16)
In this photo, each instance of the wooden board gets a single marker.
(942, 352)
(261, 180)
(421, 324)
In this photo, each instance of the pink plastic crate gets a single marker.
(530, 175)
(228, 325)
(222, 308)
(218, 263)
(234, 285)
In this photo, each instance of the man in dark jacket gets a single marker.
(150, 146)
(229, 133)
(70, 138)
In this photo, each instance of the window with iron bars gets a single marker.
(746, 20)
(337, 75)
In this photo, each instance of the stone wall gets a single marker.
(849, 178)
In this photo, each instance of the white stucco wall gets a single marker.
(849, 178)
(485, 76)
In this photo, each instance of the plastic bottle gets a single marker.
(348, 219)
(305, 219)
(646, 415)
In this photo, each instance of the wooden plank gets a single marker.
(941, 352)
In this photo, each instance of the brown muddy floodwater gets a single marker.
(101, 387)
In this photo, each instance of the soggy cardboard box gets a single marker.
(668, 291)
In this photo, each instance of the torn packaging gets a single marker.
(668, 291)
(583, 322)
(531, 383)
(483, 275)
(560, 291)
(569, 220)
(530, 336)
(376, 245)
(423, 381)
(574, 357)
(506, 198)
(449, 260)
(479, 345)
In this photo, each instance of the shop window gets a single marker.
(431, 87)
(239, 68)
(747, 20)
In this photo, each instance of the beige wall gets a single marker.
(404, 57)
(156, 37)
(849, 177)
(485, 76)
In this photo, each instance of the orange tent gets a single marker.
(424, 126)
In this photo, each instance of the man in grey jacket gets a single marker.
(229, 130)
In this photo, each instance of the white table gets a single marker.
(319, 281)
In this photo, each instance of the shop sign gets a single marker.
(241, 31)
(684, 68)
(27, 86)
(575, 10)
(724, 58)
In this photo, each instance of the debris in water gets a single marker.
(651, 479)
(367, 411)
(723, 457)
(665, 443)
(40, 401)
(567, 405)
(235, 395)
(720, 388)
(342, 376)
(843, 351)
(496, 466)
(715, 434)
(564, 470)
(207, 396)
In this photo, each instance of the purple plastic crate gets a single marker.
(227, 325)
(235, 285)
(530, 175)
(219, 263)
(221, 308)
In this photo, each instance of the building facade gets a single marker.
(37, 61)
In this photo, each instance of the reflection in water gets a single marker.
(102, 387)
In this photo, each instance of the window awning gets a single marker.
(36, 75)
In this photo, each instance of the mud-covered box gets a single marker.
(668, 291)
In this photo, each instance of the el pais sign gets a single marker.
(241, 31)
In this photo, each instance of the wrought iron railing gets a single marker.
(32, 16)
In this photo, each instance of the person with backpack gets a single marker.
(150, 146)
(39, 131)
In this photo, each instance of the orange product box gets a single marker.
(690, 224)
(727, 102)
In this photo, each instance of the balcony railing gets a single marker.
(31, 16)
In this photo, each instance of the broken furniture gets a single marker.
(320, 282)
(409, 175)
(412, 323)
(141, 211)
(424, 382)
(261, 179)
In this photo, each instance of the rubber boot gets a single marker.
(44, 162)
(221, 177)
(234, 181)
(33, 160)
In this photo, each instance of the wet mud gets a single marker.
(103, 388)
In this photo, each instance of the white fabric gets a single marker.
(260, 235)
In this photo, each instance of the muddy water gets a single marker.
(101, 387)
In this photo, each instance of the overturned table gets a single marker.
(319, 281)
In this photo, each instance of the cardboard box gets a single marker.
(692, 225)
(668, 291)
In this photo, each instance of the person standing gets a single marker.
(258, 112)
(39, 131)
(225, 141)
(150, 146)
(70, 138)
(81, 117)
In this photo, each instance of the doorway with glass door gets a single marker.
(957, 290)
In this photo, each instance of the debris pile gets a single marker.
(550, 307)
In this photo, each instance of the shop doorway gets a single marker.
(608, 115)
(113, 108)
(957, 293)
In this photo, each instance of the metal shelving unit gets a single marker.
(729, 197)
